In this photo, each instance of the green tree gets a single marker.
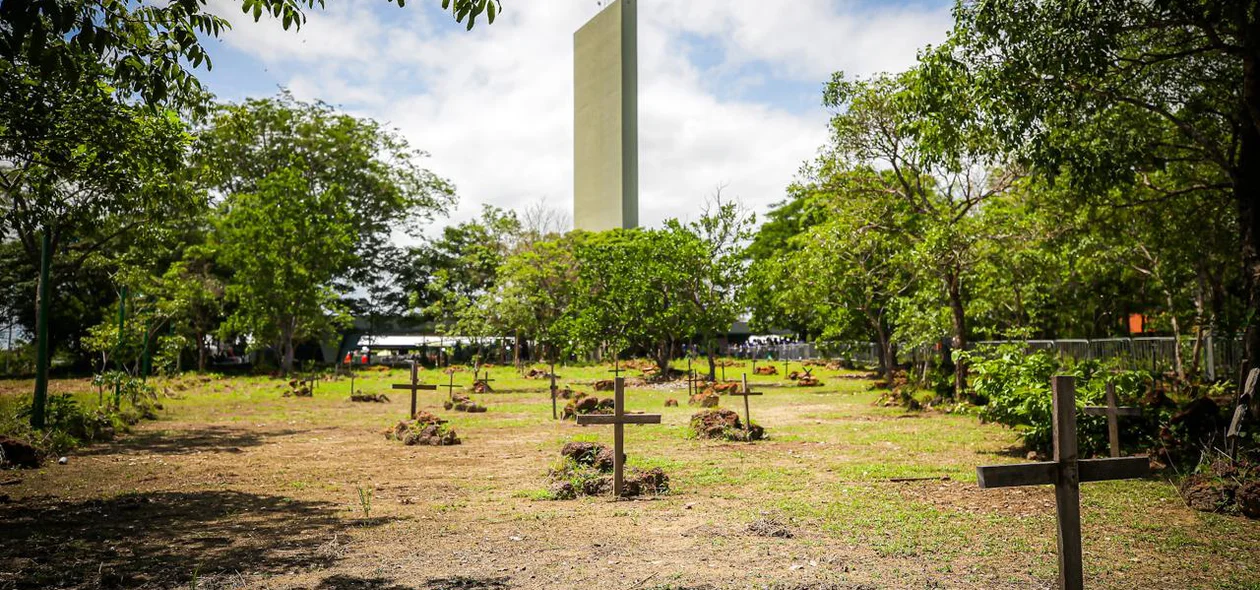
(716, 279)
(286, 244)
(1164, 95)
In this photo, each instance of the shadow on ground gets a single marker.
(210, 439)
(159, 540)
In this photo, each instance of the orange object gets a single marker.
(349, 357)
(1136, 323)
(364, 359)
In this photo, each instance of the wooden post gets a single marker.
(619, 418)
(450, 386)
(1065, 472)
(1112, 411)
(554, 415)
(40, 397)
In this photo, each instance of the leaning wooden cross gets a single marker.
(745, 393)
(1065, 472)
(414, 386)
(619, 418)
(1113, 412)
(1240, 413)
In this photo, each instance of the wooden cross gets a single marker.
(1065, 472)
(744, 394)
(553, 390)
(619, 418)
(450, 386)
(414, 386)
(1240, 413)
(690, 374)
(693, 383)
(1113, 412)
(616, 370)
(486, 379)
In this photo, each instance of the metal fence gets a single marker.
(1216, 357)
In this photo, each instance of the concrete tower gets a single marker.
(606, 120)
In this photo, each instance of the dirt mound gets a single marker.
(586, 404)
(726, 363)
(455, 369)
(808, 381)
(538, 374)
(565, 393)
(770, 527)
(723, 388)
(15, 453)
(425, 429)
(704, 399)
(481, 386)
(671, 403)
(586, 469)
(766, 370)
(603, 385)
(1224, 487)
(724, 424)
(463, 403)
(375, 398)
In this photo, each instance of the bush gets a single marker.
(1012, 387)
(68, 424)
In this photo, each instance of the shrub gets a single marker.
(1012, 387)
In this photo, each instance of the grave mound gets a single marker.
(583, 403)
(15, 453)
(671, 403)
(704, 399)
(565, 393)
(808, 381)
(722, 388)
(481, 386)
(603, 385)
(538, 374)
(424, 429)
(463, 403)
(586, 470)
(724, 424)
(766, 370)
(1224, 488)
(299, 389)
(375, 398)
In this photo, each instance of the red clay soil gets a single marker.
(375, 398)
(724, 424)
(704, 399)
(15, 453)
(766, 370)
(424, 429)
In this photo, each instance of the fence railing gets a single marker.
(1217, 357)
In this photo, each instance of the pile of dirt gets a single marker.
(725, 425)
(1224, 488)
(586, 404)
(481, 386)
(424, 429)
(15, 453)
(538, 374)
(463, 403)
(586, 470)
(770, 527)
(375, 398)
(565, 392)
(671, 403)
(603, 385)
(704, 399)
(808, 381)
(722, 388)
(726, 363)
(766, 370)
(453, 369)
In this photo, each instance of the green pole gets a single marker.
(122, 324)
(41, 333)
(145, 362)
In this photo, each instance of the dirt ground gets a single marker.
(238, 487)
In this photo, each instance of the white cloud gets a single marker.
(494, 105)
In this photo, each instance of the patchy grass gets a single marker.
(247, 487)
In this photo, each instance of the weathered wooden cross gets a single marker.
(745, 393)
(616, 370)
(485, 379)
(553, 391)
(450, 386)
(414, 386)
(1065, 472)
(1241, 407)
(693, 383)
(619, 418)
(1113, 411)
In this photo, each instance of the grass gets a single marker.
(826, 468)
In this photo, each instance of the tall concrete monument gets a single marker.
(606, 119)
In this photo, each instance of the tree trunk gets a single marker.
(711, 352)
(201, 351)
(886, 362)
(286, 348)
(959, 341)
(1246, 180)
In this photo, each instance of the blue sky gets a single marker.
(729, 90)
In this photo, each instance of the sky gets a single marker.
(730, 91)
